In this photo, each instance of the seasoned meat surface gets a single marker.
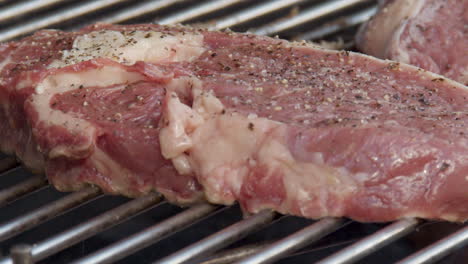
(222, 116)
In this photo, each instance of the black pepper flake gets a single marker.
(421, 28)
(393, 65)
(444, 166)
(344, 52)
(251, 126)
(423, 101)
(376, 105)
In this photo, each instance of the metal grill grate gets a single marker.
(295, 19)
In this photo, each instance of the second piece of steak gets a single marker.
(238, 117)
(431, 34)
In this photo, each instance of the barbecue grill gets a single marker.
(38, 223)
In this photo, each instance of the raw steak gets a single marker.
(119, 153)
(431, 34)
(238, 117)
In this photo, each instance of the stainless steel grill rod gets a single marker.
(220, 239)
(253, 12)
(440, 249)
(22, 188)
(231, 255)
(7, 164)
(89, 228)
(148, 236)
(23, 8)
(197, 11)
(138, 10)
(295, 241)
(55, 18)
(21, 254)
(46, 212)
(372, 243)
(306, 16)
(339, 24)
